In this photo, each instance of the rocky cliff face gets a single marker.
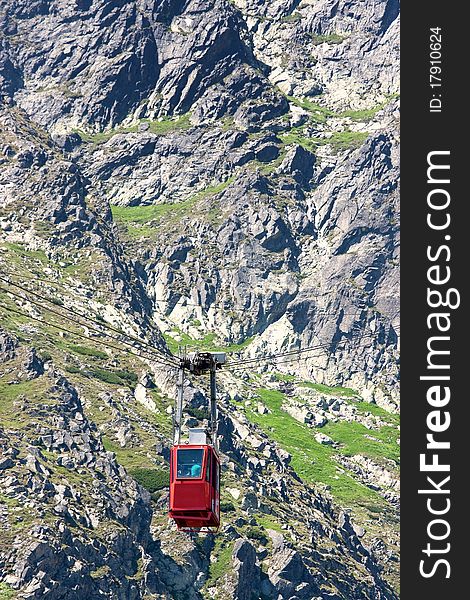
(217, 175)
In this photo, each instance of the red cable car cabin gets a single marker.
(194, 486)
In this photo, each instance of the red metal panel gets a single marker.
(190, 495)
(195, 503)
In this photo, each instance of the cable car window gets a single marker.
(189, 463)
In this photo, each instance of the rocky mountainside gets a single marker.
(216, 175)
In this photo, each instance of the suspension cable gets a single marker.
(86, 337)
(168, 358)
(240, 364)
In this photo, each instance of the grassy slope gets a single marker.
(147, 221)
(158, 127)
(207, 343)
(315, 462)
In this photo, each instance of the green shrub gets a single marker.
(127, 375)
(118, 377)
(100, 572)
(223, 562)
(85, 351)
(328, 38)
(72, 369)
(346, 140)
(197, 413)
(293, 18)
(106, 376)
(226, 507)
(57, 301)
(256, 533)
(200, 543)
(151, 479)
(6, 592)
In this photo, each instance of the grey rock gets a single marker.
(5, 463)
(250, 502)
(244, 581)
(323, 439)
(287, 572)
(32, 364)
(299, 163)
(7, 346)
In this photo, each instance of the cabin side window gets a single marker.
(189, 463)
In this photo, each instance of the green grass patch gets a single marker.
(186, 340)
(346, 140)
(102, 137)
(7, 592)
(219, 568)
(117, 377)
(366, 114)
(129, 458)
(257, 534)
(236, 347)
(355, 438)
(151, 479)
(145, 214)
(266, 168)
(320, 114)
(106, 376)
(85, 351)
(8, 501)
(269, 522)
(296, 136)
(126, 375)
(11, 391)
(34, 390)
(330, 390)
(212, 190)
(314, 462)
(169, 124)
(327, 38)
(23, 252)
(158, 127)
(317, 112)
(284, 377)
(295, 17)
(207, 343)
(139, 572)
(339, 140)
(114, 377)
(100, 572)
(377, 411)
(227, 123)
(145, 221)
